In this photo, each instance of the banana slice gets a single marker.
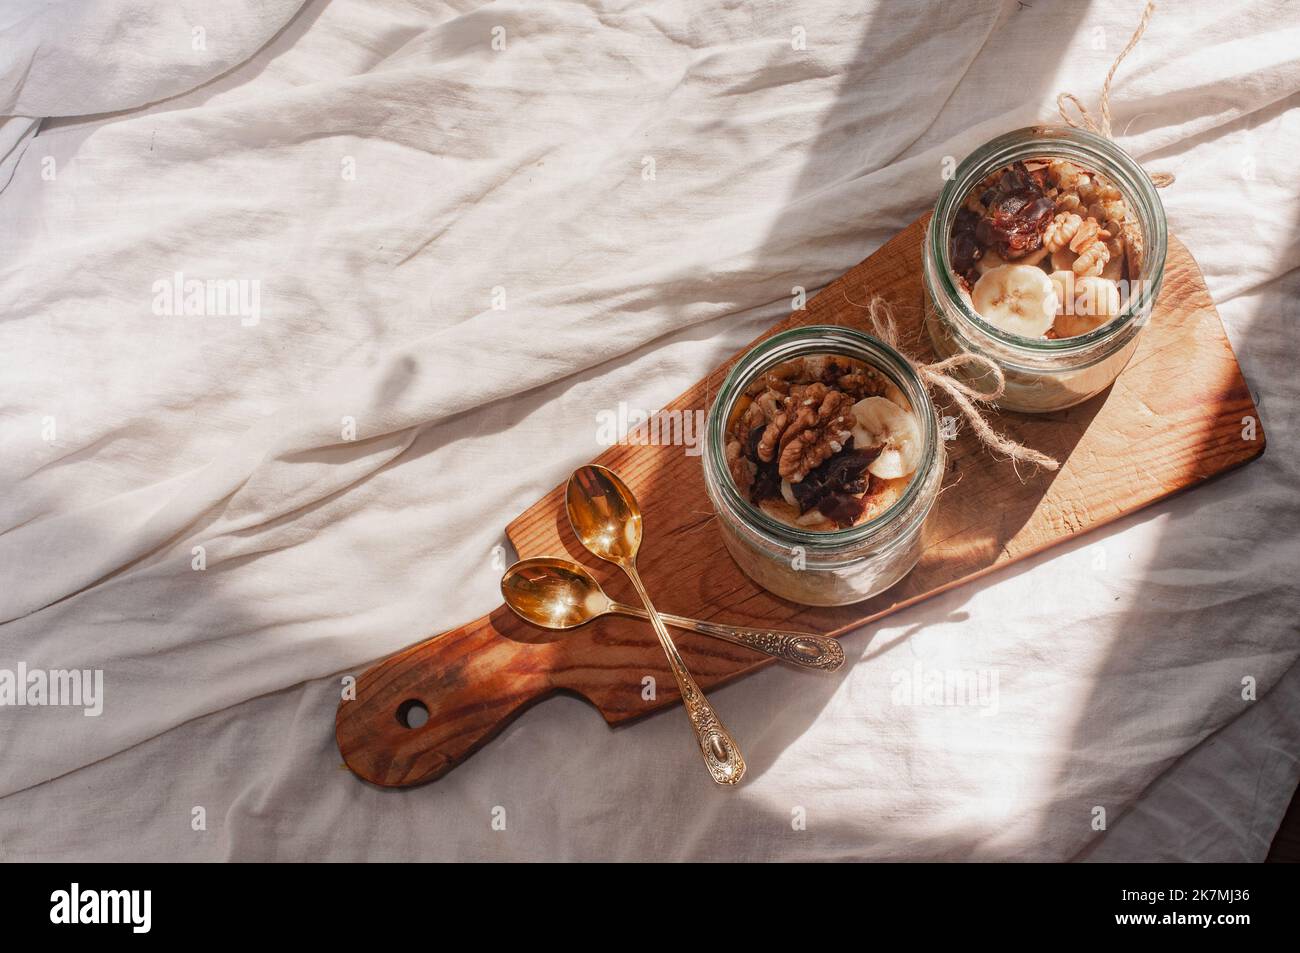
(1096, 301)
(787, 493)
(1033, 258)
(1016, 298)
(882, 423)
(813, 518)
(1063, 282)
(988, 261)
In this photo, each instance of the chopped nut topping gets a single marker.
(1089, 243)
(797, 430)
(1061, 230)
(1048, 213)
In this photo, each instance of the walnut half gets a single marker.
(820, 425)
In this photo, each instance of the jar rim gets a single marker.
(1056, 141)
(797, 342)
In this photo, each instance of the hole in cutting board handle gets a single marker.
(412, 713)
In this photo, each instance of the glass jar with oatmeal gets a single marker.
(1045, 254)
(822, 458)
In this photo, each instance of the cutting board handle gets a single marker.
(472, 681)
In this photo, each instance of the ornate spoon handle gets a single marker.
(798, 648)
(721, 755)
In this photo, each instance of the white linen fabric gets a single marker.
(461, 231)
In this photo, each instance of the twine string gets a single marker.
(1085, 121)
(940, 375)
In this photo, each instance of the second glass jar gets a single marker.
(1044, 375)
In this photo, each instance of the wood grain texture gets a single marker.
(1172, 419)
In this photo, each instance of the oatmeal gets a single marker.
(822, 442)
(1045, 248)
(822, 460)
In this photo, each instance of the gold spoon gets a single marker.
(607, 520)
(558, 593)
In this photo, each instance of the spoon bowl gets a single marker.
(604, 514)
(554, 593)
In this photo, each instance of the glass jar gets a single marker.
(1044, 375)
(823, 568)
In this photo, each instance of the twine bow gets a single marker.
(1085, 121)
(968, 399)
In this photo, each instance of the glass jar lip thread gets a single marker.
(1056, 141)
(795, 342)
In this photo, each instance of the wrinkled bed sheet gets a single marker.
(468, 229)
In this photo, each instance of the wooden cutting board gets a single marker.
(1176, 416)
